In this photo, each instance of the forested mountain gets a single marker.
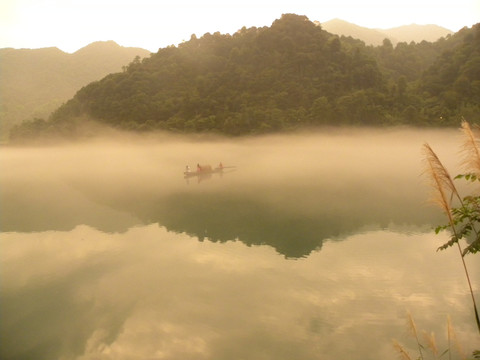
(34, 82)
(289, 75)
(406, 33)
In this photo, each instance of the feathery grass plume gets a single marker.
(413, 329)
(445, 190)
(431, 343)
(471, 151)
(403, 353)
(452, 340)
(441, 181)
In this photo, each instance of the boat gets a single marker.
(203, 170)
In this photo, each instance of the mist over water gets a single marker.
(307, 246)
(364, 174)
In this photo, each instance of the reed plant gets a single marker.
(462, 212)
(428, 348)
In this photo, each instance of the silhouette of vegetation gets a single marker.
(279, 78)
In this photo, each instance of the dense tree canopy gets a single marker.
(281, 77)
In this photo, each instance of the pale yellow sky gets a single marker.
(152, 24)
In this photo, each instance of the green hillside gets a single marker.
(290, 75)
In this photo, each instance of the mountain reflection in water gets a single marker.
(289, 192)
(152, 294)
(313, 248)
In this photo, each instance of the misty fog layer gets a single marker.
(307, 246)
(273, 190)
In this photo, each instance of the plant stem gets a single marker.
(470, 286)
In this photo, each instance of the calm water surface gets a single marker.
(313, 247)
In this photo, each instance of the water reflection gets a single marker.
(101, 259)
(288, 192)
(149, 293)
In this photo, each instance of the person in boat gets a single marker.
(199, 168)
(187, 169)
(220, 166)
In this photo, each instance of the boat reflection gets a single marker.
(295, 221)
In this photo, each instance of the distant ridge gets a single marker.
(417, 33)
(406, 33)
(34, 82)
(341, 27)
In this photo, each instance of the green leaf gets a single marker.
(453, 241)
(472, 248)
(469, 177)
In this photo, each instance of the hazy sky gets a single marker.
(151, 24)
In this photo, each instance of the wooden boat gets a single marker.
(203, 170)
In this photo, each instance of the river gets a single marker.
(307, 246)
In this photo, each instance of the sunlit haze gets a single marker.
(152, 24)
